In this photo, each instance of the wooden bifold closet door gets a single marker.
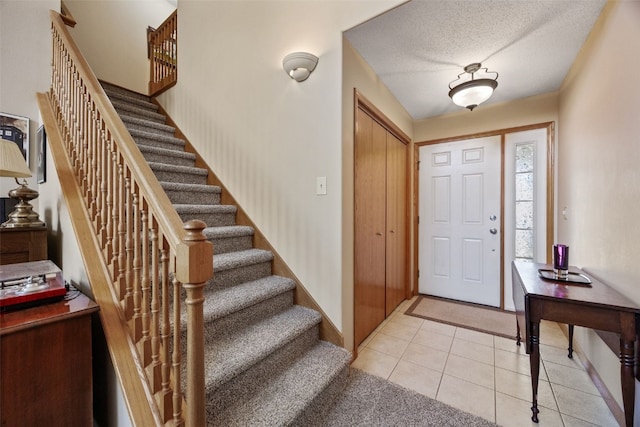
(380, 224)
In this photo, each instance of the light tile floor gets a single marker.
(483, 374)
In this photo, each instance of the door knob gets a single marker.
(493, 217)
(493, 231)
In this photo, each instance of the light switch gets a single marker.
(321, 185)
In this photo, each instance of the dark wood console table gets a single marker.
(597, 306)
(45, 364)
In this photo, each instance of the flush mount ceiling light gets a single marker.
(473, 92)
(298, 65)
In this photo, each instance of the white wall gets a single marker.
(266, 136)
(522, 112)
(112, 36)
(599, 172)
(24, 68)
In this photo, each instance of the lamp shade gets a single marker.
(472, 93)
(12, 162)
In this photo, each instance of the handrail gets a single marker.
(163, 54)
(148, 253)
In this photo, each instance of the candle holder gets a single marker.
(561, 261)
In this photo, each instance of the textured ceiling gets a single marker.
(419, 47)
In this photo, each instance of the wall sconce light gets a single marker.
(471, 93)
(13, 165)
(298, 65)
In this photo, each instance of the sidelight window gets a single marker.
(524, 178)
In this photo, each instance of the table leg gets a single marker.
(570, 341)
(534, 362)
(627, 361)
(518, 338)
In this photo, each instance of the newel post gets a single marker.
(194, 267)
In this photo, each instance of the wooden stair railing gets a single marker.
(163, 55)
(147, 254)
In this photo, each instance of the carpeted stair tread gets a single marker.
(229, 231)
(198, 188)
(225, 301)
(155, 166)
(132, 100)
(231, 238)
(184, 193)
(229, 354)
(110, 88)
(137, 111)
(205, 209)
(284, 396)
(168, 153)
(132, 122)
(150, 136)
(233, 260)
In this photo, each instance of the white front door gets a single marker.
(459, 213)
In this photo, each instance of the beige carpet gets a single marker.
(472, 316)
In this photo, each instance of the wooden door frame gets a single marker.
(362, 103)
(550, 225)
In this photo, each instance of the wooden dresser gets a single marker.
(22, 244)
(45, 364)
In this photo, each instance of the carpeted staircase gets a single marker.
(264, 361)
(265, 364)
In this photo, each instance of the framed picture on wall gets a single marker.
(16, 129)
(41, 146)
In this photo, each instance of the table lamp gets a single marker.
(12, 164)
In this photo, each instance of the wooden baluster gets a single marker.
(85, 126)
(102, 177)
(165, 49)
(108, 209)
(165, 398)
(71, 122)
(92, 196)
(145, 342)
(155, 375)
(76, 112)
(55, 64)
(121, 283)
(137, 265)
(176, 355)
(114, 192)
(95, 177)
(65, 101)
(90, 134)
(129, 274)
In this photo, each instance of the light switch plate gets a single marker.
(321, 185)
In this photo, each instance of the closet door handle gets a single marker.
(378, 234)
(392, 231)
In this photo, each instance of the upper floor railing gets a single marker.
(151, 258)
(163, 55)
